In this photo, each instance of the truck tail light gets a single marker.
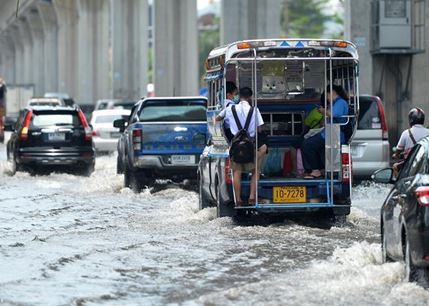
(228, 174)
(88, 132)
(422, 194)
(346, 164)
(137, 140)
(24, 131)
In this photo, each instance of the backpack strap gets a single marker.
(249, 117)
(412, 137)
(237, 120)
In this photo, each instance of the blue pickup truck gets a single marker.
(162, 139)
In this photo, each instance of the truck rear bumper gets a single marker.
(162, 168)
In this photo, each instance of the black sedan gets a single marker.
(405, 213)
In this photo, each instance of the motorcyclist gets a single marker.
(410, 136)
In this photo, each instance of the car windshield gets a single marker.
(369, 116)
(50, 119)
(176, 110)
(108, 118)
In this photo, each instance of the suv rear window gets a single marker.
(41, 120)
(369, 115)
(173, 110)
(108, 118)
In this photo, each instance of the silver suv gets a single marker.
(370, 146)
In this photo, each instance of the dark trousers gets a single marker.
(313, 153)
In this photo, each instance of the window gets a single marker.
(173, 110)
(109, 118)
(41, 120)
(369, 116)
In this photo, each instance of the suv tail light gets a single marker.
(137, 139)
(88, 132)
(422, 194)
(346, 164)
(384, 127)
(24, 131)
(228, 175)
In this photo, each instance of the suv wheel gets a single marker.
(119, 165)
(134, 179)
(411, 271)
(203, 201)
(385, 256)
(224, 208)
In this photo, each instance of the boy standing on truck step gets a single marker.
(232, 98)
(242, 110)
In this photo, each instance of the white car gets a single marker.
(105, 136)
(45, 102)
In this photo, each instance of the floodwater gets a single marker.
(69, 240)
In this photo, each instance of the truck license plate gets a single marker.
(289, 194)
(182, 159)
(56, 136)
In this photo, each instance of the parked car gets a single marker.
(405, 213)
(105, 135)
(45, 102)
(163, 138)
(113, 103)
(370, 147)
(51, 136)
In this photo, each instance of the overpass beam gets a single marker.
(176, 48)
(7, 69)
(250, 19)
(129, 48)
(19, 54)
(27, 45)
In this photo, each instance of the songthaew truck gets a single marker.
(288, 78)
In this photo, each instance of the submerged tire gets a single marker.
(224, 208)
(385, 256)
(119, 165)
(137, 180)
(203, 200)
(411, 271)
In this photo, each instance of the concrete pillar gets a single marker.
(19, 54)
(36, 28)
(250, 19)
(93, 53)
(27, 45)
(67, 17)
(129, 48)
(50, 45)
(7, 69)
(176, 48)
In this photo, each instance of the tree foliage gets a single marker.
(307, 18)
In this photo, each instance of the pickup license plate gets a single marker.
(56, 136)
(289, 194)
(182, 159)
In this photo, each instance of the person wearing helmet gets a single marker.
(409, 137)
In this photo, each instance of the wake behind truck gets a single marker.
(287, 77)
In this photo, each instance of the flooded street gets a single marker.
(75, 240)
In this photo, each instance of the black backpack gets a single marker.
(242, 148)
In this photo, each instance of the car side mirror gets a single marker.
(120, 124)
(384, 176)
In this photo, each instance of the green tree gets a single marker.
(307, 18)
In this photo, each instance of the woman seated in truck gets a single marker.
(313, 148)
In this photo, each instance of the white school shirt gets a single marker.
(242, 110)
(228, 103)
(406, 143)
